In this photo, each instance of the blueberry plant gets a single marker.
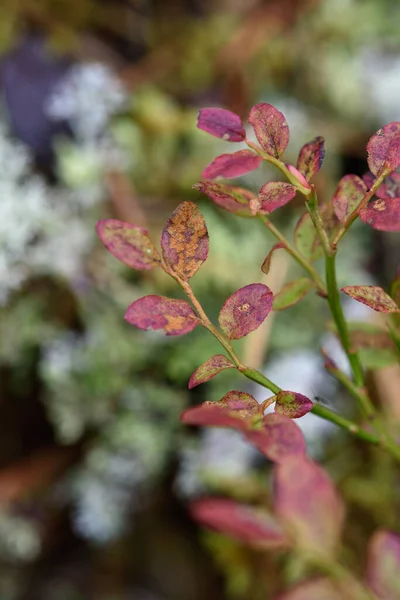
(308, 512)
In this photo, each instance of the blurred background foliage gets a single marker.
(98, 118)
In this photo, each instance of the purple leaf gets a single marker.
(184, 240)
(373, 296)
(265, 267)
(349, 193)
(382, 214)
(292, 404)
(209, 369)
(315, 589)
(233, 165)
(384, 565)
(311, 157)
(291, 293)
(174, 317)
(277, 437)
(221, 123)
(128, 243)
(237, 410)
(270, 127)
(245, 310)
(308, 504)
(233, 199)
(244, 523)
(275, 194)
(384, 149)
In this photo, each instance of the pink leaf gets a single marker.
(384, 149)
(277, 437)
(349, 193)
(390, 188)
(233, 199)
(291, 293)
(384, 565)
(311, 157)
(128, 243)
(275, 194)
(270, 127)
(308, 504)
(184, 240)
(221, 123)
(299, 176)
(209, 369)
(174, 317)
(292, 404)
(236, 409)
(232, 165)
(265, 267)
(244, 523)
(373, 296)
(245, 310)
(315, 589)
(382, 214)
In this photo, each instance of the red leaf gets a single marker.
(270, 127)
(209, 369)
(384, 149)
(373, 296)
(245, 523)
(308, 504)
(128, 243)
(349, 193)
(299, 176)
(233, 199)
(232, 165)
(291, 293)
(275, 194)
(382, 214)
(315, 589)
(151, 313)
(184, 240)
(292, 404)
(236, 409)
(265, 267)
(221, 123)
(278, 438)
(245, 310)
(311, 157)
(384, 565)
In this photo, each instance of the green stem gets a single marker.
(312, 207)
(260, 378)
(350, 426)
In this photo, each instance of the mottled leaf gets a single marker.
(349, 193)
(306, 239)
(291, 293)
(174, 317)
(384, 149)
(244, 523)
(221, 123)
(382, 214)
(130, 244)
(383, 571)
(307, 502)
(315, 589)
(277, 437)
(184, 240)
(232, 165)
(292, 404)
(311, 157)
(270, 127)
(245, 310)
(209, 369)
(233, 199)
(265, 267)
(373, 296)
(237, 410)
(275, 194)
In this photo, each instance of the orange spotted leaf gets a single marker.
(384, 565)
(275, 194)
(384, 149)
(184, 240)
(277, 437)
(270, 127)
(382, 214)
(291, 293)
(222, 124)
(348, 195)
(233, 199)
(209, 369)
(174, 317)
(373, 296)
(265, 267)
(292, 404)
(311, 157)
(245, 310)
(128, 243)
(232, 165)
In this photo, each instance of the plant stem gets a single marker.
(312, 207)
(350, 426)
(296, 255)
(260, 378)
